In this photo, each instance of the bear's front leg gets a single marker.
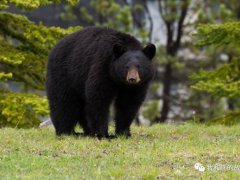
(99, 95)
(127, 105)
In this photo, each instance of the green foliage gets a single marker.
(31, 4)
(224, 81)
(109, 13)
(230, 118)
(150, 111)
(154, 87)
(220, 34)
(22, 110)
(217, 12)
(112, 14)
(4, 76)
(24, 47)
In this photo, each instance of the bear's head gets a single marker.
(133, 67)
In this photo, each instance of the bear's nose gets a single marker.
(132, 80)
(133, 76)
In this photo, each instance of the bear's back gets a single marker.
(72, 58)
(90, 43)
(100, 40)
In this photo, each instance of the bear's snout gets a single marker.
(133, 76)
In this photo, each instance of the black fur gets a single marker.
(87, 71)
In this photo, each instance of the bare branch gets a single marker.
(184, 10)
(135, 19)
(160, 7)
(145, 6)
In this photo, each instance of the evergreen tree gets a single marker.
(224, 81)
(112, 13)
(24, 47)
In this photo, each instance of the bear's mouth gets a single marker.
(133, 77)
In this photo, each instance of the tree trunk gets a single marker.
(167, 81)
(172, 47)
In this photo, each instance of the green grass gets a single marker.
(157, 152)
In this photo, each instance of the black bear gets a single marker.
(90, 69)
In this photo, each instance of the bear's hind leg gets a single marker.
(64, 116)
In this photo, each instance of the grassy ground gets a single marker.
(157, 152)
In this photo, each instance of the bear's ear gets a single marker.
(118, 50)
(150, 51)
